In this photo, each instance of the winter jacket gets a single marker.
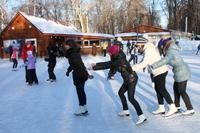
(24, 51)
(30, 63)
(180, 69)
(14, 54)
(52, 52)
(151, 55)
(80, 73)
(119, 64)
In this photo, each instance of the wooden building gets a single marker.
(41, 32)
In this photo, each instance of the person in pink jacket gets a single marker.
(14, 58)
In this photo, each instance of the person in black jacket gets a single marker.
(80, 74)
(119, 64)
(52, 53)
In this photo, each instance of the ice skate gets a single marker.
(81, 111)
(141, 119)
(172, 110)
(124, 113)
(188, 112)
(160, 110)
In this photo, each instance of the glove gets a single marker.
(67, 73)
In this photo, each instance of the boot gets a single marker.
(80, 111)
(141, 119)
(85, 108)
(188, 112)
(124, 113)
(172, 110)
(160, 110)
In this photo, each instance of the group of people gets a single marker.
(155, 60)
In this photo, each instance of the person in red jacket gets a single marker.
(27, 47)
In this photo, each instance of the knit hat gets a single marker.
(163, 42)
(113, 50)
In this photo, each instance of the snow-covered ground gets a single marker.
(49, 107)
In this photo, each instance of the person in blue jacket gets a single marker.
(181, 72)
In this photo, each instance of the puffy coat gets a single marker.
(30, 62)
(151, 55)
(24, 51)
(80, 73)
(52, 52)
(180, 68)
(119, 64)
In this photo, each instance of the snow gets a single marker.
(127, 34)
(51, 27)
(49, 107)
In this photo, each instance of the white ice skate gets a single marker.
(188, 112)
(172, 110)
(160, 110)
(124, 113)
(141, 119)
(81, 111)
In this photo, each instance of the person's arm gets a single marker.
(161, 62)
(101, 66)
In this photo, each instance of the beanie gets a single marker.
(113, 50)
(162, 43)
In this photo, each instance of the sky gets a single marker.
(49, 107)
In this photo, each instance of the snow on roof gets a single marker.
(127, 34)
(157, 33)
(51, 27)
(97, 34)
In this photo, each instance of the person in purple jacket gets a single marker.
(31, 69)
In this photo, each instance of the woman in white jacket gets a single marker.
(151, 55)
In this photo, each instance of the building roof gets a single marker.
(147, 28)
(50, 27)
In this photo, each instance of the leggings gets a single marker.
(180, 91)
(81, 93)
(161, 91)
(130, 88)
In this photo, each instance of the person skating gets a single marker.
(181, 73)
(80, 74)
(31, 68)
(52, 54)
(118, 63)
(27, 47)
(14, 58)
(151, 55)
